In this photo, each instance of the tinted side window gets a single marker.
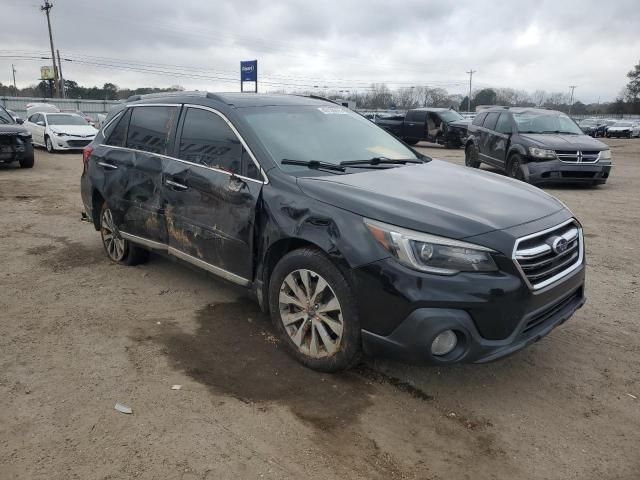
(34, 118)
(207, 140)
(416, 116)
(504, 123)
(118, 130)
(479, 119)
(490, 121)
(149, 128)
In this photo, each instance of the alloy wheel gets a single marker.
(310, 313)
(113, 242)
(49, 145)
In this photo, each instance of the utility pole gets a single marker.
(63, 94)
(13, 71)
(46, 8)
(572, 87)
(470, 72)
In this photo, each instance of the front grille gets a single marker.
(78, 143)
(546, 257)
(578, 174)
(578, 156)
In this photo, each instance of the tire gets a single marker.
(323, 329)
(471, 156)
(49, 145)
(514, 168)
(608, 135)
(28, 160)
(411, 141)
(117, 248)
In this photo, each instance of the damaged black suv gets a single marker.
(15, 141)
(353, 241)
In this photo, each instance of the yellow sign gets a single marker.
(46, 73)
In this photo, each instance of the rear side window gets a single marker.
(504, 124)
(416, 116)
(479, 119)
(207, 140)
(490, 121)
(149, 128)
(117, 130)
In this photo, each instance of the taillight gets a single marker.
(86, 153)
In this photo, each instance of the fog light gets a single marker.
(444, 343)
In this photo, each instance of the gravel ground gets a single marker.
(78, 334)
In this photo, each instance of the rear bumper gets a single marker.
(556, 171)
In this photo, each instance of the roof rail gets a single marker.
(318, 97)
(195, 93)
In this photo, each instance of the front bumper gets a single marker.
(70, 142)
(494, 315)
(14, 148)
(556, 171)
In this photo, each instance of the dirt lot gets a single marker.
(78, 334)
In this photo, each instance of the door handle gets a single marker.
(175, 185)
(109, 166)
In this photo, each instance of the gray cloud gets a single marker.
(344, 44)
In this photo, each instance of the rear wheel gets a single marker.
(313, 308)
(471, 156)
(514, 169)
(117, 248)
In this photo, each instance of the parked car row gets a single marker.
(351, 240)
(597, 127)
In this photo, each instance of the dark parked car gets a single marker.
(438, 125)
(15, 141)
(536, 146)
(591, 126)
(350, 239)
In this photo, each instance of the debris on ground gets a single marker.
(123, 408)
(176, 387)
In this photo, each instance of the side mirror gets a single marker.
(19, 121)
(40, 123)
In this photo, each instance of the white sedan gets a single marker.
(60, 131)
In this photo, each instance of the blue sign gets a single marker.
(249, 71)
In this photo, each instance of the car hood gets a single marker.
(437, 197)
(11, 129)
(81, 130)
(564, 142)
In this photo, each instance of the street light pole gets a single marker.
(13, 72)
(470, 72)
(46, 8)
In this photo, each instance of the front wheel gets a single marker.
(28, 160)
(49, 145)
(471, 156)
(514, 169)
(314, 310)
(117, 248)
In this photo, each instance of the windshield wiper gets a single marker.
(380, 160)
(313, 164)
(559, 131)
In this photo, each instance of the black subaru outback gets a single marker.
(15, 141)
(536, 146)
(350, 239)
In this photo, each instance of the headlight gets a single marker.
(605, 155)
(542, 153)
(429, 253)
(59, 134)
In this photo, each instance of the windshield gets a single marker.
(329, 134)
(552, 122)
(622, 124)
(5, 117)
(66, 120)
(450, 116)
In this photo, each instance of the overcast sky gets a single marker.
(343, 44)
